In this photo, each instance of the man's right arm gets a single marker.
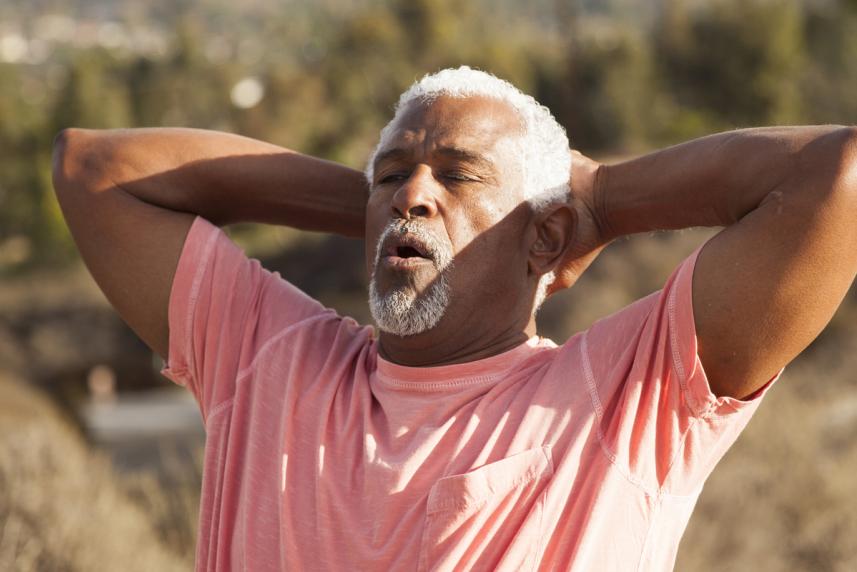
(130, 196)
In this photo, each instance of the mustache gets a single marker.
(438, 250)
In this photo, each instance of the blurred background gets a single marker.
(100, 456)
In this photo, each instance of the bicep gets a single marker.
(765, 287)
(131, 248)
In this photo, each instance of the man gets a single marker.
(458, 439)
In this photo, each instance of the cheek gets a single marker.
(375, 222)
(490, 257)
(484, 260)
(478, 224)
(471, 225)
(375, 206)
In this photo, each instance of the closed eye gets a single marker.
(449, 175)
(392, 178)
(458, 177)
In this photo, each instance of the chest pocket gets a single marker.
(489, 518)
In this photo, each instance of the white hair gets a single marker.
(546, 158)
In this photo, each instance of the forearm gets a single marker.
(222, 177)
(712, 181)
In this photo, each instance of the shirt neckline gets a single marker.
(468, 373)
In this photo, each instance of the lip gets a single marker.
(397, 262)
(389, 252)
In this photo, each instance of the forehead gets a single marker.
(478, 124)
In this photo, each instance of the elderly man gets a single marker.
(457, 438)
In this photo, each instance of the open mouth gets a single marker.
(408, 252)
(402, 251)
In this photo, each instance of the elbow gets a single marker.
(65, 158)
(59, 158)
(75, 160)
(827, 167)
(849, 149)
(846, 169)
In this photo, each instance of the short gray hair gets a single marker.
(545, 149)
(546, 155)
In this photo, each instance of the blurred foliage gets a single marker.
(330, 73)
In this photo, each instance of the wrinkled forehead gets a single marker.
(484, 125)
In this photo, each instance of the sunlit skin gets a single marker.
(763, 288)
(455, 165)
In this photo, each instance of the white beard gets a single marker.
(402, 311)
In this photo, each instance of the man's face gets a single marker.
(444, 220)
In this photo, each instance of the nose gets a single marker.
(416, 196)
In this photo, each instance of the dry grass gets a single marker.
(783, 499)
(62, 507)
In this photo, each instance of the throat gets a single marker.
(434, 348)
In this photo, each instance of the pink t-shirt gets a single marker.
(321, 455)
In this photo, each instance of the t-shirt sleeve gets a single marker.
(223, 308)
(657, 416)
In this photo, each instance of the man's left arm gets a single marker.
(766, 285)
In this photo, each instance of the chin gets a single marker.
(402, 312)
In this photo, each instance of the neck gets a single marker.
(444, 345)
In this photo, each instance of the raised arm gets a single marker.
(766, 285)
(130, 196)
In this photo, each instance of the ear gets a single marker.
(554, 230)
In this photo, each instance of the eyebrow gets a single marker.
(456, 153)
